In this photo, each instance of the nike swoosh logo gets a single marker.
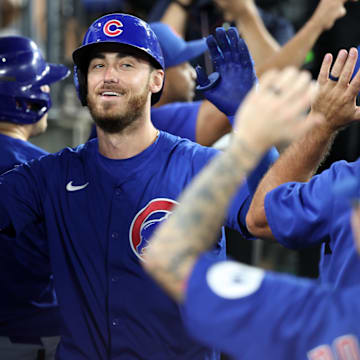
(71, 187)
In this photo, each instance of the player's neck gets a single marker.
(15, 131)
(166, 99)
(129, 143)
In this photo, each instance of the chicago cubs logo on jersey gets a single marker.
(113, 28)
(145, 222)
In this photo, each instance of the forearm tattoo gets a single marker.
(195, 224)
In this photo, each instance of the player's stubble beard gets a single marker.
(115, 121)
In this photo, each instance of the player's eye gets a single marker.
(95, 66)
(126, 65)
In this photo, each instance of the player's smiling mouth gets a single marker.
(110, 93)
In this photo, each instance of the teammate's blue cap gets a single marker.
(23, 71)
(174, 48)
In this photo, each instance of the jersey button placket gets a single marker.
(115, 235)
(115, 322)
(115, 278)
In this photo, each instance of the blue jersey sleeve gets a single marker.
(250, 314)
(177, 118)
(300, 214)
(21, 190)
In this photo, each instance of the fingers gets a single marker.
(227, 47)
(348, 68)
(268, 78)
(223, 43)
(215, 52)
(325, 69)
(291, 82)
(290, 87)
(299, 85)
(239, 51)
(297, 92)
(235, 44)
(354, 87)
(339, 64)
(275, 113)
(341, 72)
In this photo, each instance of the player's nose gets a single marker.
(110, 75)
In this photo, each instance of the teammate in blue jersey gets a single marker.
(29, 314)
(244, 311)
(100, 202)
(299, 212)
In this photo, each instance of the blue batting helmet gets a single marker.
(23, 71)
(115, 29)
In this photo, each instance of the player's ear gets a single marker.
(156, 80)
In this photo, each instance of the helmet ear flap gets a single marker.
(80, 81)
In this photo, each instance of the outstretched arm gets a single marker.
(265, 50)
(251, 27)
(176, 15)
(336, 101)
(195, 223)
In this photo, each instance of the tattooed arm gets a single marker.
(196, 222)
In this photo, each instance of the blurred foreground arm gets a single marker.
(194, 226)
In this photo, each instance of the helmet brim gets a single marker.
(53, 73)
(82, 56)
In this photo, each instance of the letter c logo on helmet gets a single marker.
(113, 28)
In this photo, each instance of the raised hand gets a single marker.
(336, 98)
(276, 111)
(327, 12)
(234, 73)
